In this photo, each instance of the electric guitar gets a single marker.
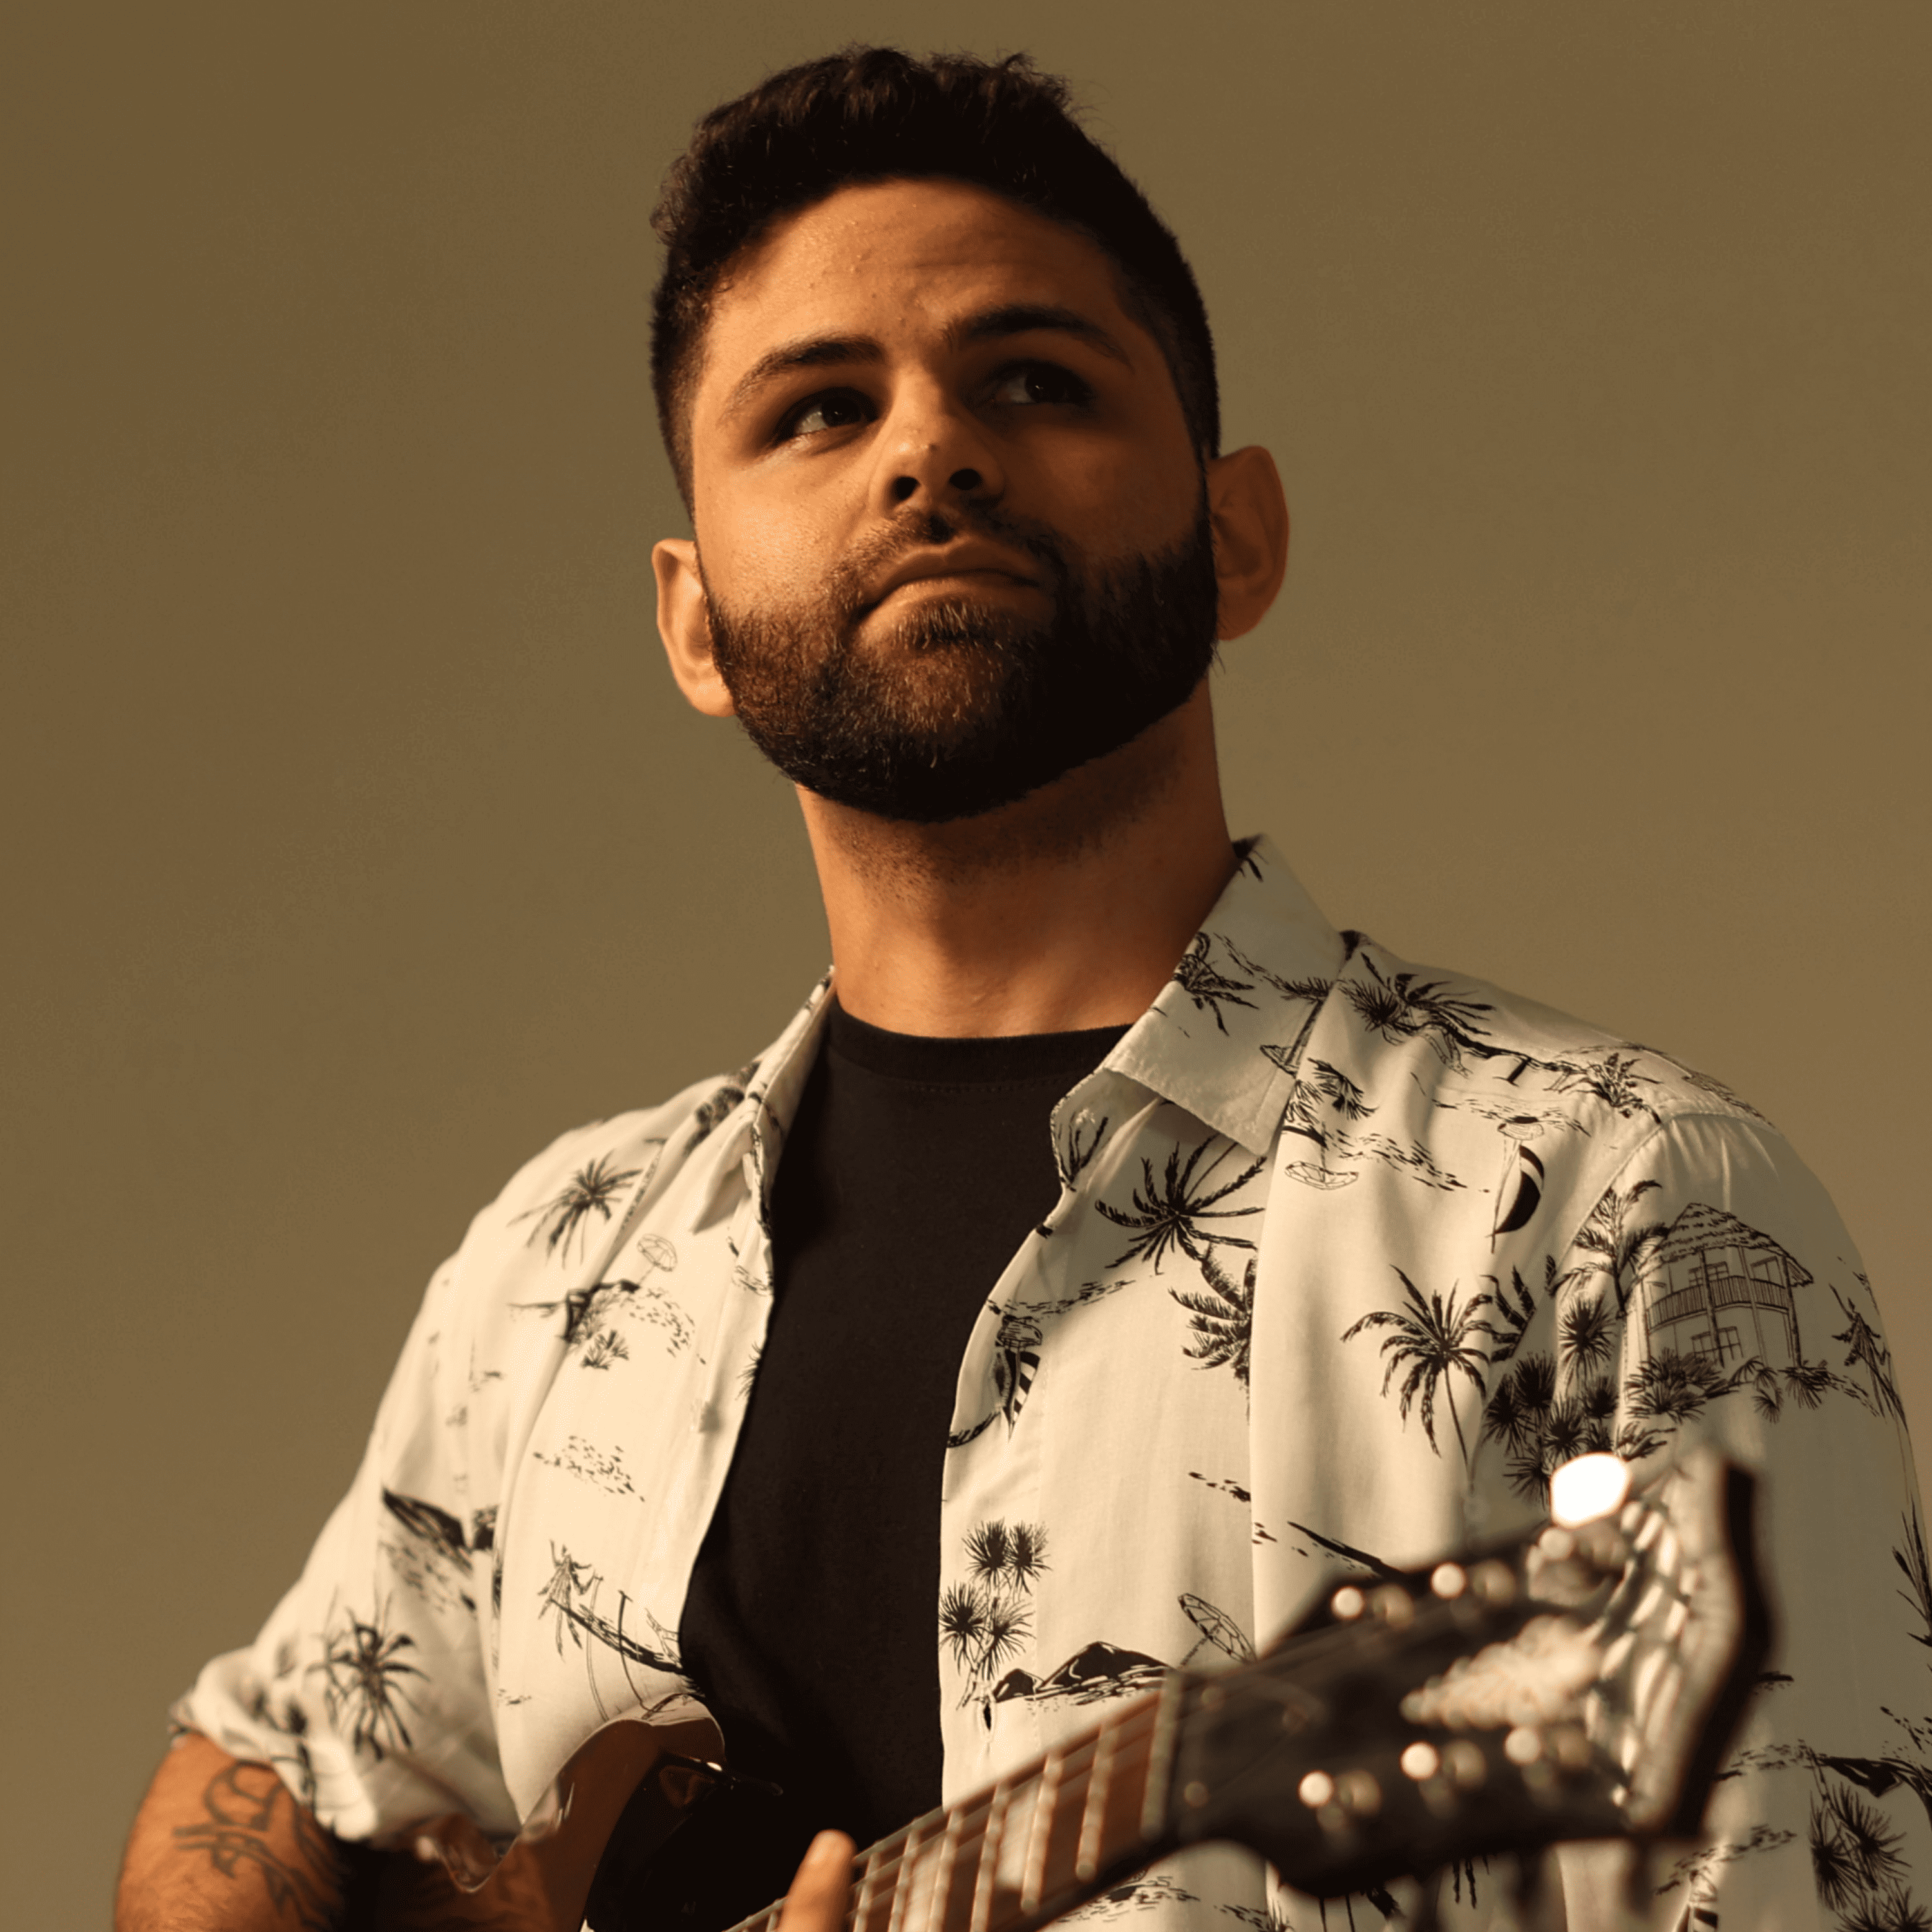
(1582, 1683)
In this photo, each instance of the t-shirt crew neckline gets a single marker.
(926, 1060)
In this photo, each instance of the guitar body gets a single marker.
(1582, 1683)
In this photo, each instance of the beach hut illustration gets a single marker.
(1723, 1291)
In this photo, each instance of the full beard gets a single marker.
(959, 709)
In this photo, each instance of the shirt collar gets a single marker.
(1224, 1034)
(1221, 1039)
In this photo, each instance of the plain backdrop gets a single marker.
(357, 843)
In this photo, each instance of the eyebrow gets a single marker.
(991, 325)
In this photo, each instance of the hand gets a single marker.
(819, 1893)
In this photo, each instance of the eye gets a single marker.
(834, 409)
(1027, 383)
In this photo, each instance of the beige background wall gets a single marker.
(357, 843)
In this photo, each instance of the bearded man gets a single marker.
(1108, 1246)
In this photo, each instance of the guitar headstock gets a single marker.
(1581, 1683)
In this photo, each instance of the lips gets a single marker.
(961, 560)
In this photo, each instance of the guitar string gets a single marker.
(874, 1870)
(1130, 1726)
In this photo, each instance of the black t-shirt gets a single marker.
(913, 1169)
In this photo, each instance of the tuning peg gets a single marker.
(1587, 1487)
(1360, 1795)
(1523, 1746)
(1494, 1583)
(1393, 1607)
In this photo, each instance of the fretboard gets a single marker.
(1033, 1845)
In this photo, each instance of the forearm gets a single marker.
(221, 1846)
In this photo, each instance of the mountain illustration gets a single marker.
(1096, 1670)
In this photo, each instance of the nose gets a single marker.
(936, 453)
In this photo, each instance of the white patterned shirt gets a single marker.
(1348, 1254)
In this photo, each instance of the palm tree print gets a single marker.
(1675, 1388)
(1402, 1007)
(1517, 1412)
(1541, 1428)
(723, 1101)
(1806, 1383)
(1614, 1080)
(1313, 991)
(1516, 1309)
(362, 1667)
(996, 1554)
(1207, 987)
(985, 1621)
(1167, 1214)
(591, 1190)
(1856, 1861)
(1326, 1088)
(1075, 1149)
(1587, 1334)
(1223, 1320)
(1617, 1248)
(1433, 1342)
(1865, 1349)
(1917, 1571)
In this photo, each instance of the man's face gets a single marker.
(951, 524)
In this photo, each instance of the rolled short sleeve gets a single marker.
(367, 1688)
(1712, 1295)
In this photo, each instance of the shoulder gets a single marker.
(1479, 1076)
(1469, 1042)
(553, 1224)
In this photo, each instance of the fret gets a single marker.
(861, 1904)
(939, 1901)
(1093, 1813)
(901, 1881)
(987, 1875)
(1040, 1831)
(1172, 1695)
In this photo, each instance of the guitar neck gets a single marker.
(1035, 1844)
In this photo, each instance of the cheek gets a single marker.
(764, 547)
(1117, 505)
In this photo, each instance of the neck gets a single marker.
(1066, 910)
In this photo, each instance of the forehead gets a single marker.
(901, 258)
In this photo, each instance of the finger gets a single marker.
(816, 1902)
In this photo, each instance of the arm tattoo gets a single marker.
(252, 1822)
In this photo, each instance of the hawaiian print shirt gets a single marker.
(1348, 1255)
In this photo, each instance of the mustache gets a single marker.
(918, 529)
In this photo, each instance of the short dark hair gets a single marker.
(871, 114)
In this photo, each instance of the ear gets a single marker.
(684, 623)
(1250, 514)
